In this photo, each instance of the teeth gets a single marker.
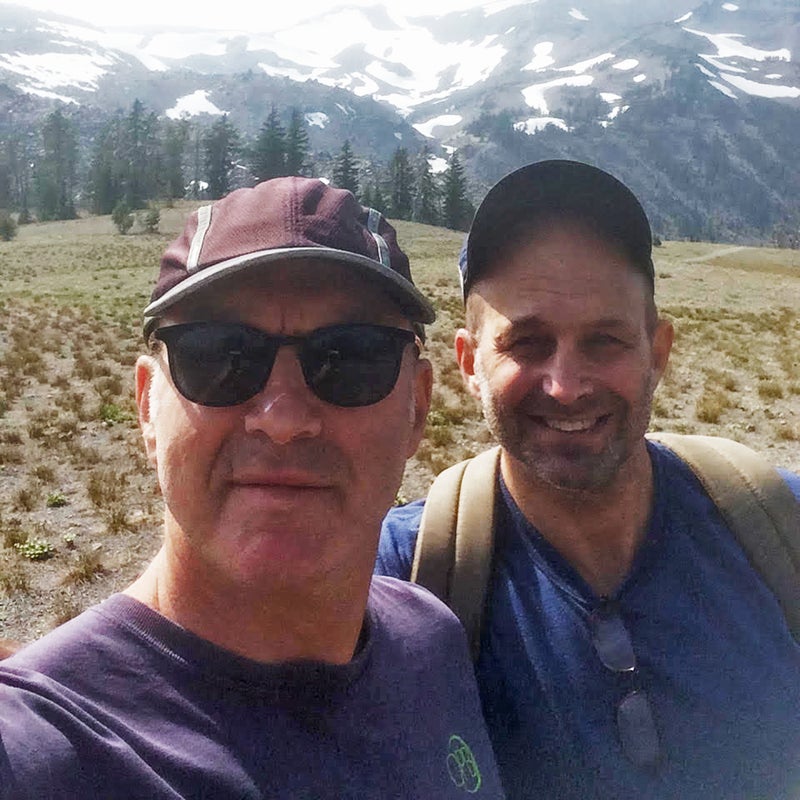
(570, 425)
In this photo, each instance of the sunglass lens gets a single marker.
(637, 730)
(217, 364)
(613, 643)
(354, 365)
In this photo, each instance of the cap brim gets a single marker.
(413, 303)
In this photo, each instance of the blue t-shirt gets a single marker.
(715, 658)
(121, 703)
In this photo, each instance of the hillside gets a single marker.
(74, 484)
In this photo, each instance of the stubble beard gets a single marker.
(571, 468)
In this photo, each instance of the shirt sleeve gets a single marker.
(793, 481)
(398, 538)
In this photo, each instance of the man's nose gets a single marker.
(565, 377)
(285, 409)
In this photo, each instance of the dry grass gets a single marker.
(72, 470)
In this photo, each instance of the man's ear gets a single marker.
(145, 371)
(466, 346)
(423, 391)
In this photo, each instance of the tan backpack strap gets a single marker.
(758, 506)
(435, 550)
(474, 544)
(453, 555)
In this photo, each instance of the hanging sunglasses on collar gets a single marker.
(224, 364)
(636, 724)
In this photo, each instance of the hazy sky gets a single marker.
(262, 16)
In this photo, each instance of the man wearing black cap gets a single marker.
(628, 648)
(256, 657)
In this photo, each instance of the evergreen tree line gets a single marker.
(137, 160)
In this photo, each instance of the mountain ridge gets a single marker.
(612, 82)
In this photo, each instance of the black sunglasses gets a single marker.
(223, 364)
(635, 721)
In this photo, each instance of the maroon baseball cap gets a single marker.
(277, 221)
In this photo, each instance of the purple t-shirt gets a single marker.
(122, 703)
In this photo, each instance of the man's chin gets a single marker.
(574, 470)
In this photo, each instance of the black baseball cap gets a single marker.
(551, 188)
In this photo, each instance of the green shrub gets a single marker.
(111, 413)
(35, 549)
(8, 227)
(122, 217)
(55, 500)
(151, 220)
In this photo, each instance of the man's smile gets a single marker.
(573, 425)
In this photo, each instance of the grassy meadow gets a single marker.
(79, 509)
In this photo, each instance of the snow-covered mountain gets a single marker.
(521, 68)
(437, 71)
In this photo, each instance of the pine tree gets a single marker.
(55, 175)
(345, 169)
(106, 178)
(22, 181)
(371, 176)
(197, 186)
(297, 146)
(17, 158)
(366, 197)
(175, 141)
(129, 162)
(141, 156)
(457, 210)
(426, 198)
(378, 199)
(269, 152)
(221, 147)
(5, 177)
(401, 181)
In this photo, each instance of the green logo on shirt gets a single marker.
(462, 766)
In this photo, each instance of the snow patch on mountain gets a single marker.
(502, 5)
(535, 124)
(404, 66)
(542, 56)
(48, 71)
(317, 119)
(728, 46)
(534, 95)
(719, 64)
(724, 89)
(192, 104)
(761, 89)
(445, 121)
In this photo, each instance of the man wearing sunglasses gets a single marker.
(628, 649)
(256, 657)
